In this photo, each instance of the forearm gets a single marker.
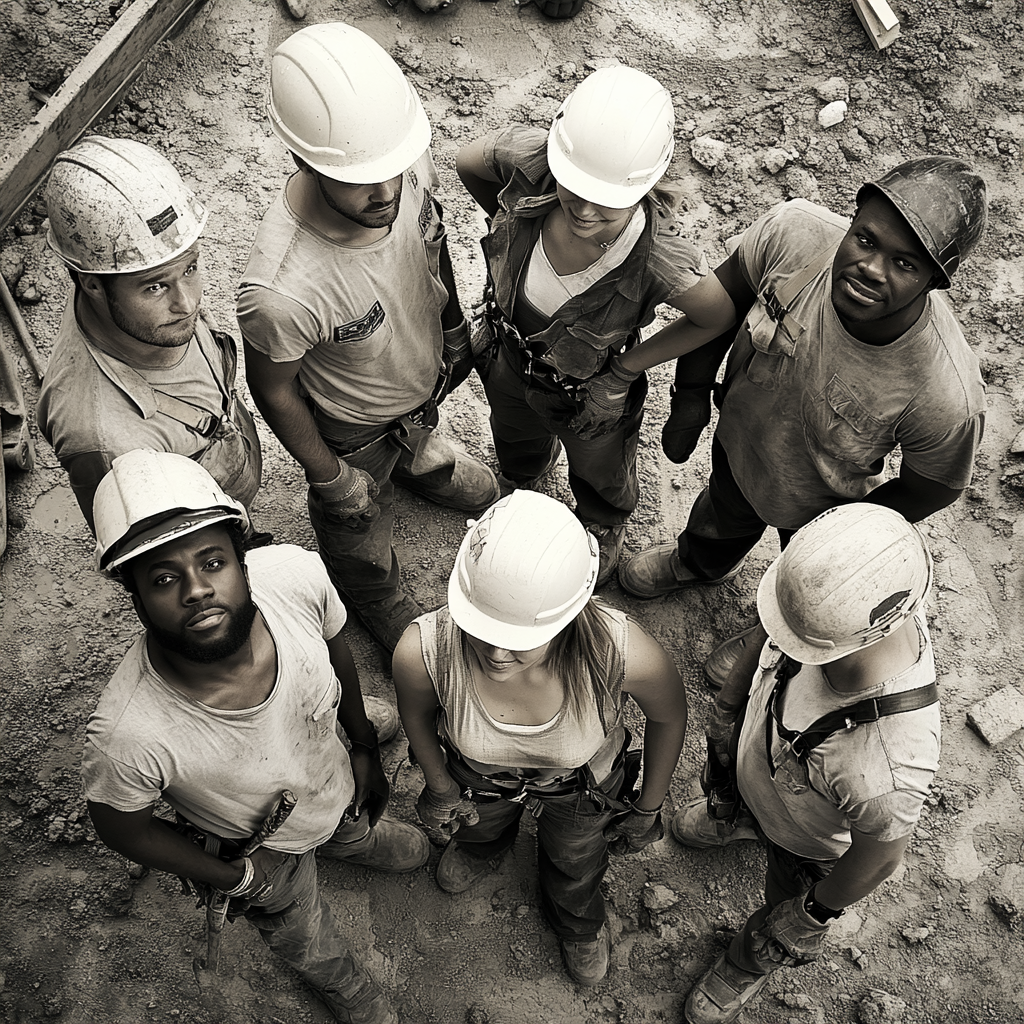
(452, 315)
(912, 501)
(289, 418)
(485, 192)
(663, 743)
(671, 342)
(429, 755)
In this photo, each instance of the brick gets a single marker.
(998, 716)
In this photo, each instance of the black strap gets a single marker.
(863, 712)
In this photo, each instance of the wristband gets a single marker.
(249, 873)
(820, 913)
(372, 747)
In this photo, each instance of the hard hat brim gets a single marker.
(594, 190)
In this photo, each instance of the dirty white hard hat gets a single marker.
(119, 207)
(150, 498)
(846, 580)
(340, 103)
(524, 571)
(612, 139)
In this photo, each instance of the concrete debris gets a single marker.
(708, 152)
(915, 936)
(998, 716)
(1007, 911)
(658, 897)
(775, 159)
(832, 114)
(880, 23)
(879, 1007)
(832, 89)
(801, 184)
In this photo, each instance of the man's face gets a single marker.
(193, 596)
(881, 274)
(369, 206)
(158, 307)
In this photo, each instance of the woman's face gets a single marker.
(590, 221)
(500, 664)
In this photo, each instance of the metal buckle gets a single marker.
(776, 311)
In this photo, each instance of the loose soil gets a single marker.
(87, 939)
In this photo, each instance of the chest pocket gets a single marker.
(773, 348)
(362, 340)
(846, 430)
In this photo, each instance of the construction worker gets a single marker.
(832, 732)
(233, 696)
(352, 326)
(512, 697)
(583, 248)
(136, 362)
(847, 351)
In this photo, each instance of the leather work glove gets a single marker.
(789, 936)
(446, 812)
(349, 495)
(605, 403)
(634, 830)
(372, 787)
(457, 349)
(719, 730)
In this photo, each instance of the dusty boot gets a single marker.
(358, 1000)
(443, 472)
(692, 826)
(719, 997)
(457, 871)
(391, 846)
(587, 962)
(383, 716)
(386, 620)
(658, 571)
(689, 413)
(723, 657)
(428, 6)
(610, 539)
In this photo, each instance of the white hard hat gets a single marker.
(118, 207)
(846, 580)
(612, 139)
(149, 498)
(524, 571)
(340, 103)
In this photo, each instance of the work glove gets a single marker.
(349, 495)
(457, 349)
(632, 831)
(372, 787)
(605, 402)
(719, 730)
(789, 936)
(446, 812)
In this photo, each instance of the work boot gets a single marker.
(587, 962)
(610, 539)
(386, 620)
(692, 826)
(508, 485)
(391, 846)
(383, 716)
(719, 997)
(689, 413)
(457, 871)
(358, 1000)
(466, 483)
(723, 657)
(658, 571)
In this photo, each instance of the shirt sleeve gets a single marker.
(122, 786)
(517, 148)
(279, 327)
(888, 816)
(946, 458)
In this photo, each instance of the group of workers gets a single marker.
(824, 733)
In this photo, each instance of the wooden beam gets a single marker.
(87, 95)
(879, 21)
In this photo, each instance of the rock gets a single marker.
(658, 897)
(915, 936)
(832, 114)
(998, 716)
(707, 151)
(832, 89)
(796, 1000)
(880, 1007)
(29, 293)
(427, 6)
(1017, 444)
(854, 146)
(801, 184)
(296, 8)
(12, 267)
(1006, 910)
(775, 159)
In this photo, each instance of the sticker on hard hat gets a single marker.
(881, 613)
(362, 328)
(162, 221)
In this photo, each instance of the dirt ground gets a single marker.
(87, 941)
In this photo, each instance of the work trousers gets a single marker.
(723, 526)
(360, 557)
(572, 853)
(529, 420)
(786, 877)
(299, 927)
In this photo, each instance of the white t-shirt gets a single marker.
(873, 778)
(365, 321)
(223, 770)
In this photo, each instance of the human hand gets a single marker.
(605, 402)
(446, 811)
(633, 830)
(789, 936)
(372, 787)
(349, 495)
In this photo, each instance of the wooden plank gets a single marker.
(879, 21)
(87, 95)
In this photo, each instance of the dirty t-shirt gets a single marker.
(807, 422)
(366, 321)
(873, 778)
(223, 769)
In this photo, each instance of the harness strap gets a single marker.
(869, 710)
